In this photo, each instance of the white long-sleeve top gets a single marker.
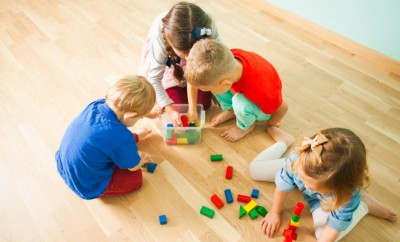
(158, 55)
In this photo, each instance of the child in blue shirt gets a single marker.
(98, 155)
(330, 169)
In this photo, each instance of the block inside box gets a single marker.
(182, 135)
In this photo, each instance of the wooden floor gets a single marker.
(56, 56)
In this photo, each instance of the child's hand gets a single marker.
(144, 158)
(174, 116)
(192, 116)
(270, 224)
(156, 111)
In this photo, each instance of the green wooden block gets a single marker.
(216, 157)
(169, 134)
(261, 210)
(208, 212)
(182, 135)
(242, 212)
(169, 131)
(295, 218)
(253, 214)
(193, 135)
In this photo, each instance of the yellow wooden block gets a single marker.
(250, 206)
(182, 141)
(294, 223)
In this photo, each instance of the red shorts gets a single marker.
(179, 96)
(123, 181)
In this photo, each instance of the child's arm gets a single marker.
(329, 234)
(192, 102)
(144, 159)
(271, 223)
(278, 114)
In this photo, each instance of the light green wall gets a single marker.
(372, 23)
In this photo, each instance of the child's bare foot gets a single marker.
(142, 132)
(222, 117)
(379, 209)
(235, 133)
(279, 135)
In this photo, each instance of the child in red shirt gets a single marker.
(246, 85)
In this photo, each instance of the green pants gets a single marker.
(246, 112)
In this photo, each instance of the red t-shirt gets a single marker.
(260, 82)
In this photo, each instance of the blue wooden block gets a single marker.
(151, 167)
(255, 193)
(163, 219)
(228, 195)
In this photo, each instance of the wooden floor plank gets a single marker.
(57, 56)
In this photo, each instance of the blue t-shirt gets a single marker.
(93, 144)
(339, 219)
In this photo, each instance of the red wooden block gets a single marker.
(184, 120)
(217, 201)
(292, 227)
(171, 141)
(243, 198)
(288, 239)
(229, 170)
(290, 233)
(298, 209)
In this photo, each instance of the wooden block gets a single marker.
(184, 120)
(295, 218)
(261, 210)
(216, 157)
(217, 201)
(289, 233)
(298, 209)
(243, 198)
(296, 224)
(255, 193)
(228, 195)
(229, 170)
(242, 212)
(151, 167)
(253, 214)
(208, 212)
(250, 206)
(163, 219)
(182, 141)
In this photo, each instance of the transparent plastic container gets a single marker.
(182, 135)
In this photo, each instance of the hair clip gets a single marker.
(169, 61)
(201, 32)
(315, 144)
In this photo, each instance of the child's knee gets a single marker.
(255, 173)
(240, 104)
(239, 100)
(252, 169)
(138, 185)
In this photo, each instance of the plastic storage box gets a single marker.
(182, 135)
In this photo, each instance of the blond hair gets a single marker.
(132, 94)
(208, 62)
(340, 168)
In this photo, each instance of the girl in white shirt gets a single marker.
(168, 43)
